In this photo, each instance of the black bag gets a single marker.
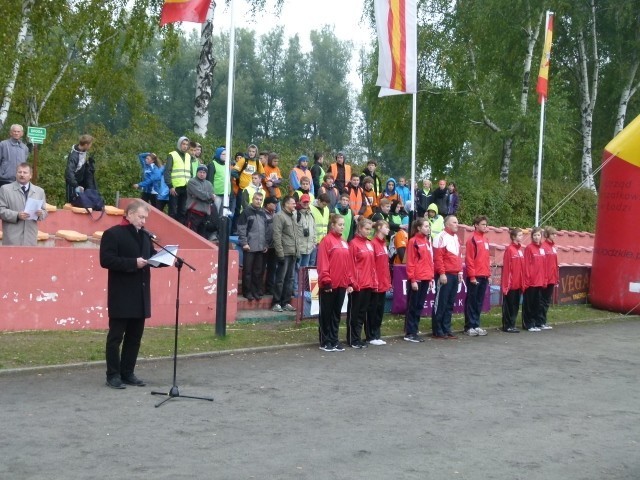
(89, 199)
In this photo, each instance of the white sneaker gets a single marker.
(377, 342)
(472, 332)
(481, 332)
(534, 329)
(381, 342)
(546, 327)
(289, 308)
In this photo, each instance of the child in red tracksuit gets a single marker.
(512, 281)
(535, 279)
(375, 310)
(365, 282)
(552, 272)
(334, 282)
(478, 272)
(419, 276)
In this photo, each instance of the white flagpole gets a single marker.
(539, 175)
(541, 141)
(224, 220)
(413, 155)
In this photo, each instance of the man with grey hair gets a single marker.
(13, 152)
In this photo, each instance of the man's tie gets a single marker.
(25, 190)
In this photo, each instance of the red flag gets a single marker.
(542, 87)
(184, 11)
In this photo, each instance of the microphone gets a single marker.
(151, 235)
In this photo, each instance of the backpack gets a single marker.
(89, 199)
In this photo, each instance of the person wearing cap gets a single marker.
(341, 172)
(370, 171)
(307, 235)
(199, 198)
(435, 220)
(252, 238)
(177, 172)
(298, 172)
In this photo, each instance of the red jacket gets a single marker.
(551, 262)
(535, 273)
(477, 256)
(334, 262)
(419, 259)
(446, 253)
(512, 269)
(364, 263)
(382, 264)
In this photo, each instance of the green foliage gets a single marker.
(513, 204)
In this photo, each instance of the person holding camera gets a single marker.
(307, 235)
(286, 240)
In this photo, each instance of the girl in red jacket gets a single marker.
(419, 276)
(375, 310)
(512, 281)
(535, 279)
(364, 284)
(334, 282)
(551, 269)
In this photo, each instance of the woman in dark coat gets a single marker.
(124, 251)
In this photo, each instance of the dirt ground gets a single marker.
(562, 404)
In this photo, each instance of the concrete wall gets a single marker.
(60, 284)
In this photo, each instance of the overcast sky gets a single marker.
(302, 16)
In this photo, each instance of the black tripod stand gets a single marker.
(174, 392)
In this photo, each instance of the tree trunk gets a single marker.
(204, 76)
(588, 94)
(628, 90)
(27, 5)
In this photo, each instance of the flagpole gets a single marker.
(223, 231)
(412, 215)
(539, 175)
(542, 90)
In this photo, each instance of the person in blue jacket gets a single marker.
(154, 189)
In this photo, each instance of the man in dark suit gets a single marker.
(124, 251)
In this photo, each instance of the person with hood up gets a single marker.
(390, 191)
(177, 173)
(216, 174)
(199, 199)
(81, 168)
(435, 220)
(154, 190)
(299, 171)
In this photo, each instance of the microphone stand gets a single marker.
(174, 392)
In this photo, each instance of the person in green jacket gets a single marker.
(436, 220)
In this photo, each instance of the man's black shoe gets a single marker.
(133, 380)
(115, 382)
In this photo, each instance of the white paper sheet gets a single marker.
(163, 257)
